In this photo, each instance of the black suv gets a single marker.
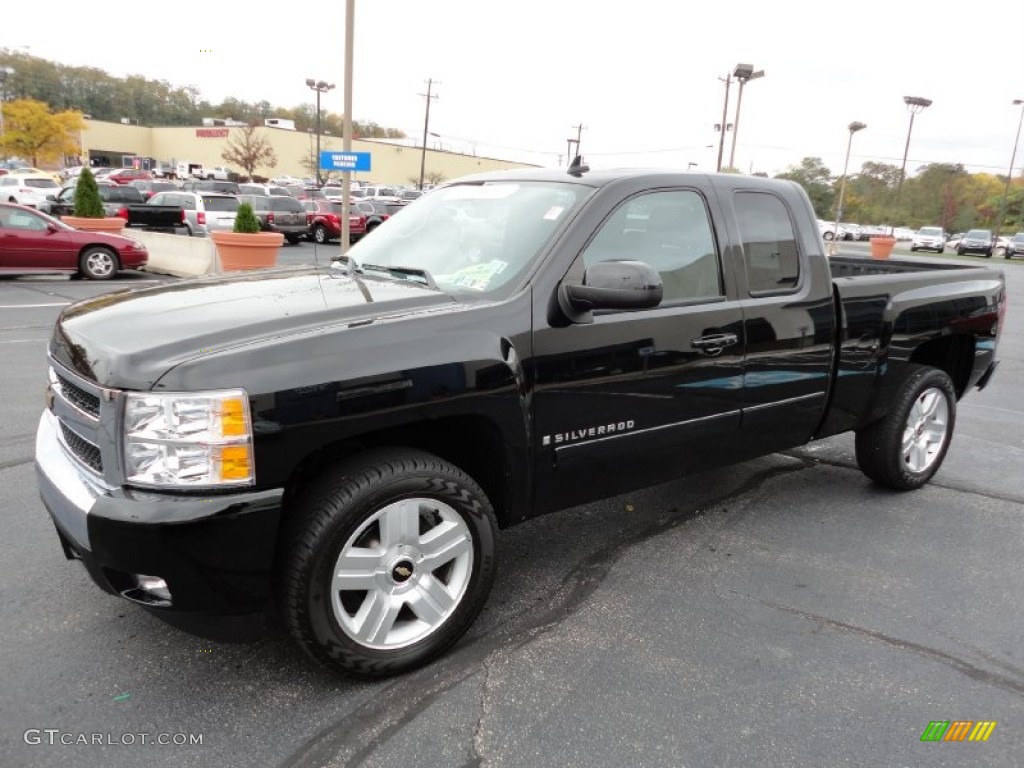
(976, 241)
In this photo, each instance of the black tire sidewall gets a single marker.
(886, 436)
(330, 644)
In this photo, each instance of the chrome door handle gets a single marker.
(713, 344)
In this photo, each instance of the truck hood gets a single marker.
(129, 339)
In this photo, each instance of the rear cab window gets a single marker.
(770, 255)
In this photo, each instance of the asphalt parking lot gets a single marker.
(781, 612)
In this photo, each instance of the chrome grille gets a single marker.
(83, 450)
(78, 397)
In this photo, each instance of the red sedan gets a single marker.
(32, 242)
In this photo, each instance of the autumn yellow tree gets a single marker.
(34, 133)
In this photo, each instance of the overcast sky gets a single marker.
(643, 77)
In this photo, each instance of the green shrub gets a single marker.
(87, 197)
(245, 219)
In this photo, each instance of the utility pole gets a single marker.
(346, 126)
(579, 134)
(426, 128)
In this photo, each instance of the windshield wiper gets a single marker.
(356, 268)
(403, 272)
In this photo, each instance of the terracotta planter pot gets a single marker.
(881, 247)
(112, 225)
(241, 251)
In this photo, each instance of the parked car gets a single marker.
(903, 234)
(250, 188)
(220, 173)
(27, 190)
(163, 171)
(325, 221)
(976, 241)
(205, 212)
(953, 241)
(1014, 246)
(37, 243)
(211, 185)
(929, 239)
(280, 213)
(125, 175)
(25, 170)
(376, 212)
(408, 195)
(151, 187)
(113, 196)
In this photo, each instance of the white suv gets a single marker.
(27, 190)
(929, 239)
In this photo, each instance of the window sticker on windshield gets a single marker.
(554, 212)
(476, 277)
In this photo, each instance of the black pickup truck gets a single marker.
(340, 443)
(124, 201)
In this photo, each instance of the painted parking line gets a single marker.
(22, 341)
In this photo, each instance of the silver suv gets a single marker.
(929, 239)
(205, 212)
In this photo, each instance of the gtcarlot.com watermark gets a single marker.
(55, 736)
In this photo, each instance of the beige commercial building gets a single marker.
(112, 143)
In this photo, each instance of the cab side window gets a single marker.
(672, 232)
(770, 254)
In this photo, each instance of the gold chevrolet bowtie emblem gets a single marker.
(403, 571)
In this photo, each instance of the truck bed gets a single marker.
(851, 266)
(895, 312)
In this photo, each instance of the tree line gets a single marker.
(102, 96)
(937, 194)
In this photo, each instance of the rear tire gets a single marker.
(98, 263)
(292, 239)
(387, 561)
(906, 447)
(320, 234)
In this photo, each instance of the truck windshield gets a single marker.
(473, 238)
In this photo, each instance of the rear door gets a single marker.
(788, 318)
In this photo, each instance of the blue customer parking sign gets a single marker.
(344, 161)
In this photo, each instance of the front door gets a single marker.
(637, 397)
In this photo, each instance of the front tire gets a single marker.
(905, 448)
(388, 561)
(98, 263)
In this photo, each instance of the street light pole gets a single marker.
(320, 86)
(1009, 173)
(853, 128)
(914, 104)
(725, 116)
(743, 74)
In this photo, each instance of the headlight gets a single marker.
(188, 440)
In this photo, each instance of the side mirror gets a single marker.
(51, 198)
(612, 285)
(51, 227)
